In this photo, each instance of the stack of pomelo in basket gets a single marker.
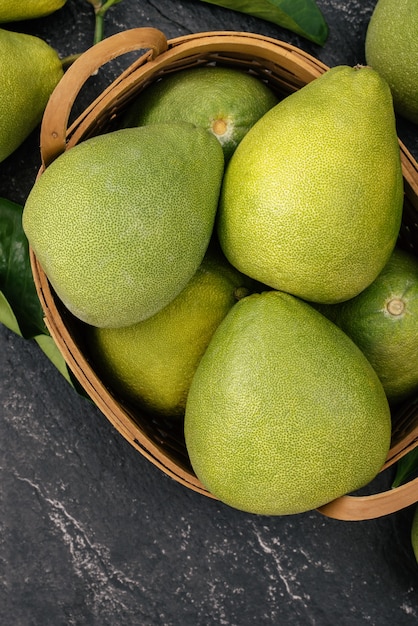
(285, 69)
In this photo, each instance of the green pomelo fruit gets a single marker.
(152, 363)
(224, 101)
(312, 197)
(29, 71)
(16, 10)
(284, 413)
(383, 321)
(391, 48)
(121, 222)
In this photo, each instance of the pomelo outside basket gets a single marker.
(285, 68)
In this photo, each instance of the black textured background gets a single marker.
(93, 534)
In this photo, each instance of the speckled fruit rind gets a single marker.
(30, 69)
(284, 412)
(383, 320)
(153, 362)
(391, 48)
(12, 11)
(223, 100)
(312, 197)
(121, 222)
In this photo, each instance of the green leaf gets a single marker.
(20, 308)
(414, 533)
(16, 280)
(7, 317)
(406, 468)
(49, 347)
(303, 17)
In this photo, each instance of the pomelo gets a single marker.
(30, 69)
(312, 197)
(391, 48)
(383, 321)
(12, 11)
(284, 412)
(223, 100)
(151, 364)
(121, 222)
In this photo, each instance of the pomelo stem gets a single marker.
(395, 306)
(219, 127)
(69, 60)
(241, 292)
(100, 9)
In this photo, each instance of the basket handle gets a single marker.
(357, 508)
(57, 112)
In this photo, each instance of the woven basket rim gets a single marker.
(57, 136)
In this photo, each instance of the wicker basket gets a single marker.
(286, 69)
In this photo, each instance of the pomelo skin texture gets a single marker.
(223, 100)
(312, 197)
(284, 412)
(153, 362)
(383, 321)
(121, 222)
(29, 71)
(11, 11)
(391, 48)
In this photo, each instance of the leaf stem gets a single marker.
(69, 60)
(100, 9)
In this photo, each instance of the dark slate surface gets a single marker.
(93, 534)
